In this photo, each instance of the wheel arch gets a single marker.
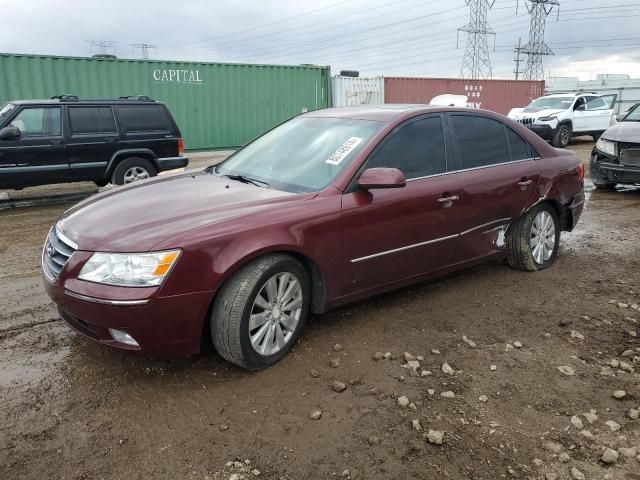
(121, 155)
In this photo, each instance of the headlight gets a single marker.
(606, 146)
(547, 119)
(129, 269)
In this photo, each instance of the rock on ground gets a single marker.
(435, 436)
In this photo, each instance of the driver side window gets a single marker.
(38, 122)
(417, 149)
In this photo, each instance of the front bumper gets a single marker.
(544, 131)
(171, 163)
(606, 169)
(164, 327)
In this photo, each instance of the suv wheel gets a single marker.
(260, 311)
(533, 239)
(133, 169)
(562, 137)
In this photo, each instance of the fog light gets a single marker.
(123, 337)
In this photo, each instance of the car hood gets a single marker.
(533, 112)
(624, 132)
(138, 217)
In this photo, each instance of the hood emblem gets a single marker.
(50, 250)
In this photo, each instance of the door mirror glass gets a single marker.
(10, 133)
(373, 178)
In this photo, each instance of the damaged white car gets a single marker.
(559, 117)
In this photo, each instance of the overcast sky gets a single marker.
(377, 37)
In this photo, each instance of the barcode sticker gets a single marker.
(345, 149)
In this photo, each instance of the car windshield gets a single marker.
(560, 103)
(304, 154)
(632, 115)
(5, 108)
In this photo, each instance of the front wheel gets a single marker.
(533, 239)
(562, 137)
(261, 311)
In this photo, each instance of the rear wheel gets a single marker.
(562, 137)
(132, 170)
(533, 239)
(261, 311)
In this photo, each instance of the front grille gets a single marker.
(57, 251)
(629, 153)
(525, 121)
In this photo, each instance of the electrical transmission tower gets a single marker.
(102, 47)
(518, 58)
(144, 49)
(536, 49)
(476, 63)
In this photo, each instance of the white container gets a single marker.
(348, 91)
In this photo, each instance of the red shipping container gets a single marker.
(496, 95)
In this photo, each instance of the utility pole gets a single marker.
(518, 59)
(102, 47)
(144, 49)
(476, 63)
(536, 48)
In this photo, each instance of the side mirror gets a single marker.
(9, 133)
(373, 178)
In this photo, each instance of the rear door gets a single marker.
(596, 115)
(394, 234)
(38, 156)
(499, 174)
(148, 126)
(92, 139)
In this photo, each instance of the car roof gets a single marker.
(55, 101)
(381, 113)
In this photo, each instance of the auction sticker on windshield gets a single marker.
(343, 151)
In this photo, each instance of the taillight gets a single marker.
(180, 146)
(580, 170)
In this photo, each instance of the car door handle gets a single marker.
(452, 198)
(525, 183)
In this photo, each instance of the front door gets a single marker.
(595, 115)
(395, 234)
(38, 156)
(499, 175)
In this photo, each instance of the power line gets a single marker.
(476, 62)
(145, 48)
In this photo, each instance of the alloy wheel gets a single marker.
(275, 313)
(134, 174)
(543, 237)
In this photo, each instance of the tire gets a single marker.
(521, 252)
(241, 343)
(133, 167)
(562, 136)
(605, 186)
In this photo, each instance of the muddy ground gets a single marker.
(71, 409)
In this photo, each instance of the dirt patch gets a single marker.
(72, 409)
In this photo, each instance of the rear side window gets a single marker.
(417, 149)
(38, 122)
(91, 120)
(520, 150)
(480, 141)
(144, 118)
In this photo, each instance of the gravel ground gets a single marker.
(507, 374)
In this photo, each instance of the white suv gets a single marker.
(560, 116)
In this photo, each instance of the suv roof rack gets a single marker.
(66, 98)
(141, 98)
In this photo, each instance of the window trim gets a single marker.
(73, 134)
(41, 107)
(353, 184)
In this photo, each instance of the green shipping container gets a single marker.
(216, 105)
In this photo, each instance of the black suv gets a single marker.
(65, 139)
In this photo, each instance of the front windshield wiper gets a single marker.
(240, 178)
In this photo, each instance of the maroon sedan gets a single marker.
(330, 207)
